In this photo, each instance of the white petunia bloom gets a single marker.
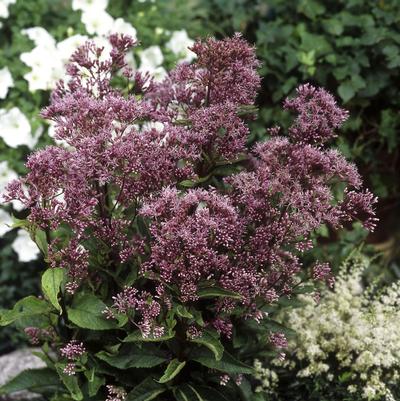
(24, 247)
(150, 59)
(89, 4)
(15, 128)
(179, 44)
(6, 82)
(40, 37)
(98, 22)
(121, 26)
(5, 222)
(68, 46)
(4, 4)
(44, 60)
(6, 175)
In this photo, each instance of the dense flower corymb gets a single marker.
(157, 210)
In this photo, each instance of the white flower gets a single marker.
(15, 129)
(44, 59)
(4, 7)
(68, 46)
(24, 247)
(5, 222)
(40, 36)
(121, 26)
(6, 82)
(89, 4)
(151, 58)
(98, 22)
(159, 74)
(6, 175)
(179, 44)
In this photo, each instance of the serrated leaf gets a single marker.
(228, 364)
(147, 390)
(26, 307)
(211, 341)
(173, 368)
(34, 380)
(212, 292)
(51, 284)
(133, 358)
(87, 312)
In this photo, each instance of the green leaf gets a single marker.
(26, 307)
(41, 241)
(70, 382)
(133, 358)
(346, 90)
(187, 183)
(211, 341)
(51, 284)
(147, 390)
(345, 376)
(212, 292)
(183, 312)
(34, 380)
(173, 368)
(187, 392)
(87, 312)
(94, 382)
(136, 336)
(228, 364)
(209, 393)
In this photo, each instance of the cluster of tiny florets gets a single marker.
(72, 352)
(116, 185)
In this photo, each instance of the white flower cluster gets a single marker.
(358, 328)
(267, 377)
(4, 8)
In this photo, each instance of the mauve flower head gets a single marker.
(318, 115)
(118, 189)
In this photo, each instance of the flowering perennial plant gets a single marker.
(167, 238)
(349, 341)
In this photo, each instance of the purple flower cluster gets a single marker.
(130, 301)
(117, 187)
(72, 351)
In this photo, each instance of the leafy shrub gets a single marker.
(346, 345)
(166, 239)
